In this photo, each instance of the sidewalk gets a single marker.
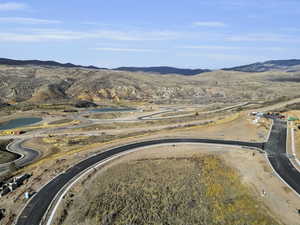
(291, 147)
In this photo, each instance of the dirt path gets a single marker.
(279, 105)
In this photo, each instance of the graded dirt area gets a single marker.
(280, 202)
(56, 160)
(235, 127)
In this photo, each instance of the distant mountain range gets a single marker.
(40, 82)
(158, 70)
(164, 70)
(12, 62)
(291, 65)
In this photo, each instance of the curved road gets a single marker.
(26, 155)
(275, 149)
(277, 154)
(38, 205)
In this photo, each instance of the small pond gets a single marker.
(20, 122)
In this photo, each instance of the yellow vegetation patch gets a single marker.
(44, 125)
(188, 190)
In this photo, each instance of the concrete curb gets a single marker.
(60, 195)
(282, 180)
(9, 149)
(293, 146)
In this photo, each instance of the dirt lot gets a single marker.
(112, 115)
(240, 128)
(280, 202)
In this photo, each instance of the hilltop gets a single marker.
(156, 70)
(164, 70)
(36, 84)
(291, 65)
(12, 62)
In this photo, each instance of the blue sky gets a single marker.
(190, 33)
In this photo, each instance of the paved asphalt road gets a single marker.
(275, 148)
(26, 155)
(151, 116)
(38, 205)
(277, 155)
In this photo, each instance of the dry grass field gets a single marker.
(199, 189)
(5, 156)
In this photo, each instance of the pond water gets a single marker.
(20, 122)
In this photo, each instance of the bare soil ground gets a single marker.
(279, 105)
(239, 128)
(112, 115)
(278, 201)
(61, 121)
(242, 128)
(55, 159)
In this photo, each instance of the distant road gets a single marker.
(151, 116)
(28, 155)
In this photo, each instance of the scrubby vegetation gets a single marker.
(43, 85)
(196, 190)
(4, 155)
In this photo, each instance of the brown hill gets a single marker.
(43, 84)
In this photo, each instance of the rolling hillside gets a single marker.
(292, 65)
(35, 84)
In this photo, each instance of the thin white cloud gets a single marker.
(53, 34)
(214, 47)
(89, 23)
(228, 58)
(291, 29)
(13, 37)
(25, 20)
(236, 58)
(209, 47)
(209, 24)
(12, 6)
(137, 35)
(262, 37)
(124, 49)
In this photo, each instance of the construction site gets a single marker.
(64, 143)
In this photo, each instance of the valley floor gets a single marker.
(63, 145)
